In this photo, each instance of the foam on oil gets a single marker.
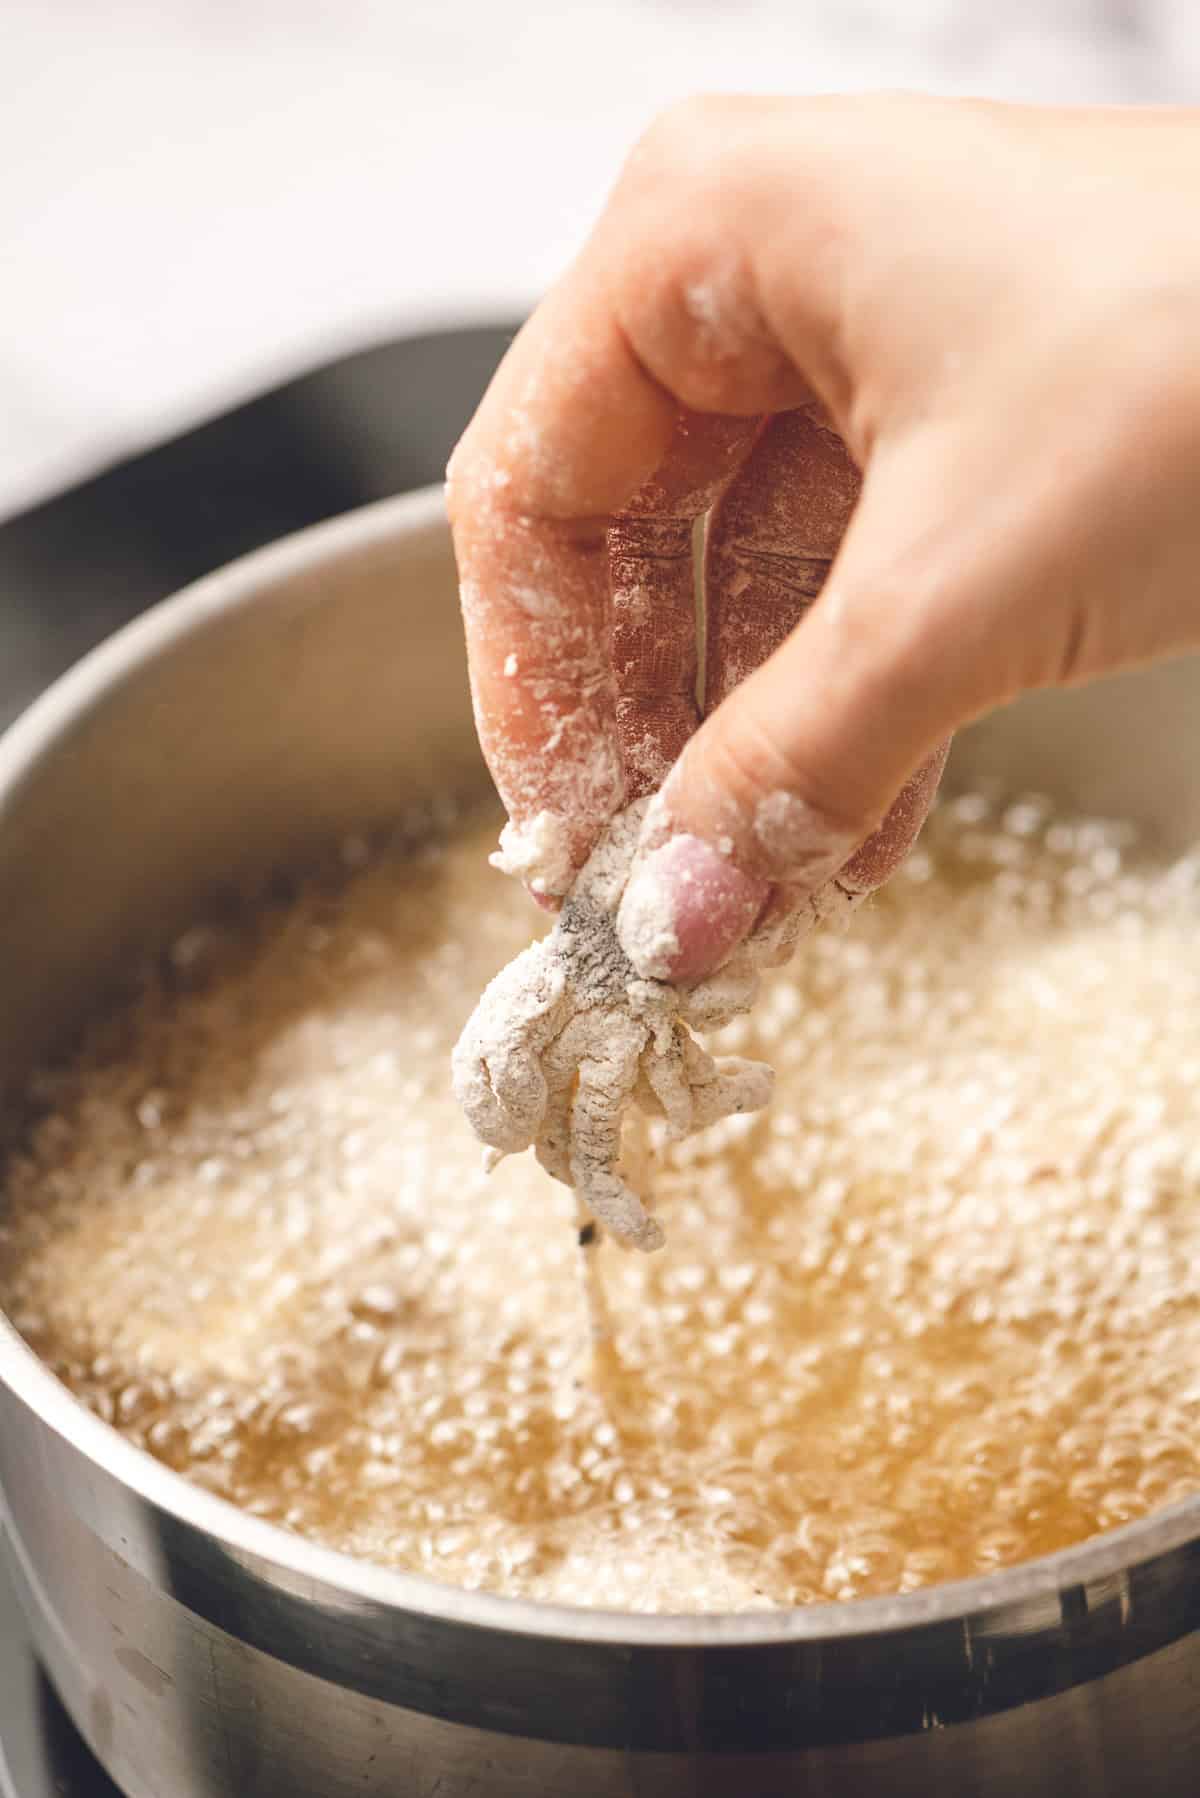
(937, 1311)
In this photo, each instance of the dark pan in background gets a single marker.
(76, 567)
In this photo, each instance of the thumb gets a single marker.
(823, 763)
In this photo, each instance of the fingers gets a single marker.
(570, 427)
(792, 911)
(655, 640)
(755, 254)
(771, 542)
(785, 783)
(663, 310)
(883, 851)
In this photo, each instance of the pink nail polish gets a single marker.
(685, 909)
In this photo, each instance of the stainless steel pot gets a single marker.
(314, 687)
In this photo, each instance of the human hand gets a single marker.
(996, 308)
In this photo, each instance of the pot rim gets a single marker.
(1025, 1598)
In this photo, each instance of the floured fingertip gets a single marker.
(538, 853)
(686, 909)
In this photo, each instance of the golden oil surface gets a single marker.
(936, 1311)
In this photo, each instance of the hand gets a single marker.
(992, 312)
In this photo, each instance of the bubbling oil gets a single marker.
(933, 1313)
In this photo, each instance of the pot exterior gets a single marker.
(172, 1704)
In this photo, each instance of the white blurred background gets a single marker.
(198, 197)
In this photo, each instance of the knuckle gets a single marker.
(676, 235)
(480, 495)
(678, 135)
(694, 164)
(465, 482)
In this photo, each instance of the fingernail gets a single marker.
(685, 909)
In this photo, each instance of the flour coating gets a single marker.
(567, 1038)
(538, 853)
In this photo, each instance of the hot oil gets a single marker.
(935, 1312)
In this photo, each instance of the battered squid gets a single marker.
(568, 1037)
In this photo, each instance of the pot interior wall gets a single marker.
(337, 696)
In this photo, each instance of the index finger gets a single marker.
(570, 427)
